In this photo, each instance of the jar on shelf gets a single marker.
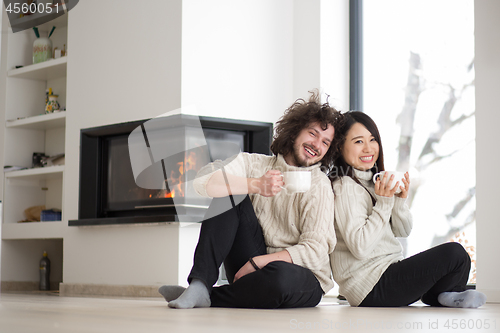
(52, 105)
(42, 49)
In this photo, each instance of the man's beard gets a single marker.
(303, 162)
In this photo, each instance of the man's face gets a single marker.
(311, 145)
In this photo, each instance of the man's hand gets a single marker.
(244, 270)
(261, 261)
(268, 185)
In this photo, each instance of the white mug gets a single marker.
(398, 176)
(297, 181)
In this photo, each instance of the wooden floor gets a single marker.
(40, 313)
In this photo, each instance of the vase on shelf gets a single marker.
(42, 49)
(52, 104)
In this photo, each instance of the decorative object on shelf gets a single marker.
(50, 215)
(48, 161)
(52, 104)
(44, 272)
(42, 48)
(57, 53)
(51, 31)
(9, 168)
(36, 161)
(33, 213)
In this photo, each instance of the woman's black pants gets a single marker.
(232, 236)
(423, 276)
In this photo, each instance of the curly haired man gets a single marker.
(275, 245)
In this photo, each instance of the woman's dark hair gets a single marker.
(340, 166)
(299, 116)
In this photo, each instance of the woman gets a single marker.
(368, 262)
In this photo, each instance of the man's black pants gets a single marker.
(233, 237)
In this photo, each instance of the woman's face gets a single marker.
(360, 150)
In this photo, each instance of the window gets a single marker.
(417, 79)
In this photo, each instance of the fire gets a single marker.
(176, 176)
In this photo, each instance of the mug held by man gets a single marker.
(297, 181)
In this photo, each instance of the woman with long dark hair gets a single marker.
(368, 262)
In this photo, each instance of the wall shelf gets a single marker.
(43, 71)
(40, 122)
(37, 173)
(33, 230)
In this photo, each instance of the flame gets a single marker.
(177, 176)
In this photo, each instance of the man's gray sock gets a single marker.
(195, 296)
(171, 292)
(464, 299)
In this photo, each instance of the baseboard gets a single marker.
(25, 286)
(80, 289)
(492, 295)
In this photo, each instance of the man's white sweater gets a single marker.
(366, 235)
(300, 223)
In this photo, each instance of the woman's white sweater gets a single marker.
(300, 223)
(366, 235)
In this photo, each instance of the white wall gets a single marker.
(334, 52)
(306, 46)
(487, 66)
(252, 59)
(237, 58)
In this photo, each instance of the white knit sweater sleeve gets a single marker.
(360, 229)
(402, 220)
(236, 165)
(317, 233)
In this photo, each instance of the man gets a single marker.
(275, 245)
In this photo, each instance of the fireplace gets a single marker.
(122, 182)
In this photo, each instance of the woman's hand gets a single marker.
(404, 190)
(268, 185)
(382, 186)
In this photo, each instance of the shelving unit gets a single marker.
(26, 130)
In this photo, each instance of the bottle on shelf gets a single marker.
(45, 272)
